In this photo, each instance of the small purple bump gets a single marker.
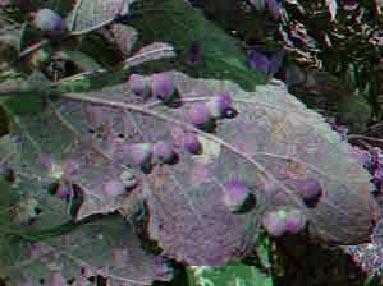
(284, 221)
(194, 53)
(295, 221)
(49, 22)
(199, 114)
(163, 151)
(310, 190)
(162, 86)
(140, 153)
(220, 104)
(256, 60)
(273, 222)
(237, 196)
(192, 144)
(137, 83)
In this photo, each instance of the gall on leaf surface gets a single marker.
(272, 141)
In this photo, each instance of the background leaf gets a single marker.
(170, 22)
(107, 247)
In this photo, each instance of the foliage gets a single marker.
(83, 147)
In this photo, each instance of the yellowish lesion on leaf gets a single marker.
(56, 171)
(278, 132)
(210, 150)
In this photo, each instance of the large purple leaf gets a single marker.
(271, 142)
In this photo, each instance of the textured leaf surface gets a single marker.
(221, 55)
(124, 36)
(91, 13)
(154, 51)
(272, 140)
(106, 247)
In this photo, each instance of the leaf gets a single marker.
(107, 247)
(232, 274)
(125, 37)
(84, 62)
(154, 51)
(221, 55)
(272, 140)
(91, 13)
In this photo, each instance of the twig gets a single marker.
(359, 136)
(163, 52)
(74, 15)
(70, 34)
(33, 48)
(82, 75)
(91, 29)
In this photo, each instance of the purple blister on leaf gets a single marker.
(137, 83)
(199, 114)
(220, 104)
(191, 143)
(194, 54)
(139, 153)
(48, 21)
(294, 221)
(310, 190)
(236, 193)
(162, 85)
(256, 60)
(163, 151)
(273, 222)
(284, 221)
(224, 101)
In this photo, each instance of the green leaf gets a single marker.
(232, 274)
(170, 21)
(235, 273)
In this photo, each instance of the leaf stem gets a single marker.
(93, 28)
(360, 136)
(74, 15)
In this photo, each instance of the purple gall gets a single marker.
(310, 190)
(256, 60)
(237, 196)
(162, 86)
(295, 221)
(194, 54)
(192, 144)
(49, 22)
(284, 221)
(138, 84)
(219, 105)
(163, 151)
(199, 114)
(267, 60)
(273, 222)
(140, 153)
